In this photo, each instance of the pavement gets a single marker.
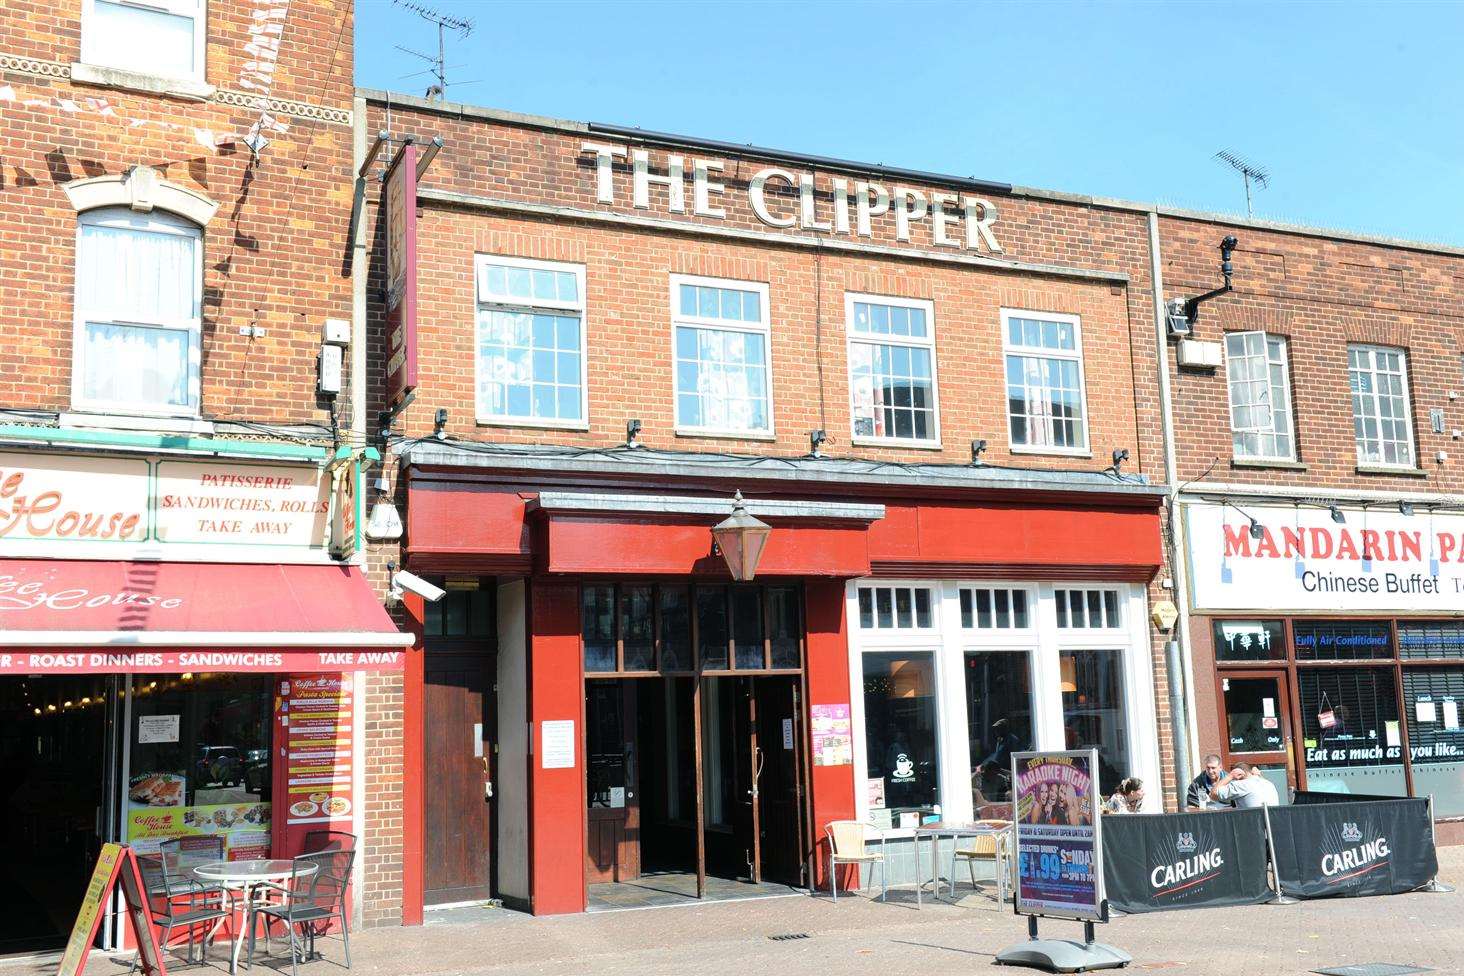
(859, 935)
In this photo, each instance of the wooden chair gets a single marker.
(995, 847)
(848, 844)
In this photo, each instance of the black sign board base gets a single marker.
(1063, 956)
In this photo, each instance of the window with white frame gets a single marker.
(1088, 609)
(1044, 372)
(1379, 380)
(721, 338)
(994, 608)
(137, 313)
(1260, 396)
(895, 608)
(892, 369)
(531, 342)
(152, 37)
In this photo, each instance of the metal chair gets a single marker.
(994, 847)
(314, 897)
(848, 841)
(175, 899)
(328, 840)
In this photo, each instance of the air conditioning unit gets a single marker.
(1198, 354)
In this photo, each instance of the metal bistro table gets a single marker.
(935, 831)
(245, 877)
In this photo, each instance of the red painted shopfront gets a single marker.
(609, 607)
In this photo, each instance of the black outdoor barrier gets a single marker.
(1159, 862)
(1304, 797)
(1371, 847)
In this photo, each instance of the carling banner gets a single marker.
(1378, 847)
(1059, 852)
(1154, 863)
(1303, 797)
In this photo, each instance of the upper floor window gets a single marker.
(1044, 372)
(1260, 396)
(531, 342)
(892, 369)
(152, 37)
(723, 385)
(137, 313)
(895, 608)
(1379, 380)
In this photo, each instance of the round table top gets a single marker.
(244, 871)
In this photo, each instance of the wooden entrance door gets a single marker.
(780, 781)
(1255, 722)
(612, 762)
(460, 729)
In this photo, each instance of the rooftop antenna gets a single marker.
(438, 64)
(1249, 172)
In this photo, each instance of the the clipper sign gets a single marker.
(1302, 559)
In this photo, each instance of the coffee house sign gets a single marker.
(790, 199)
(57, 503)
(1302, 559)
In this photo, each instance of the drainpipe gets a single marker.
(1177, 658)
(358, 286)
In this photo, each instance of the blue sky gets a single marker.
(1353, 108)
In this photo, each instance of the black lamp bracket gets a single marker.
(1192, 305)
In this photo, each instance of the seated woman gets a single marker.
(1128, 799)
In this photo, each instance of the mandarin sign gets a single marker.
(119, 503)
(783, 198)
(1300, 559)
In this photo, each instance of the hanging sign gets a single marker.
(1301, 559)
(116, 867)
(399, 195)
(1058, 835)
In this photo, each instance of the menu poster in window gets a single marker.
(244, 828)
(833, 741)
(314, 714)
(1058, 841)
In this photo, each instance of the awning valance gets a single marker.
(172, 616)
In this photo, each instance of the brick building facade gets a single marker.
(181, 490)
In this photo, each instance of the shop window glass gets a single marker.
(994, 609)
(605, 770)
(1432, 702)
(638, 628)
(1249, 640)
(675, 628)
(998, 722)
(1341, 640)
(1349, 718)
(895, 608)
(711, 628)
(783, 627)
(747, 629)
(900, 737)
(200, 762)
(1433, 639)
(1253, 714)
(1093, 711)
(1087, 609)
(598, 627)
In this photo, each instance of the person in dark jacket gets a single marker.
(1197, 797)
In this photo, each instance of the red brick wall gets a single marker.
(273, 253)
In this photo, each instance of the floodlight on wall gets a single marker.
(978, 448)
(1405, 508)
(632, 433)
(741, 538)
(1257, 530)
(1337, 515)
(816, 440)
(439, 424)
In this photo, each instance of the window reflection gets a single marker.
(900, 737)
(1092, 711)
(999, 722)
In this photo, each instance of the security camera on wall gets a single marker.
(403, 580)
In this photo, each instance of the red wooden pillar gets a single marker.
(557, 794)
(828, 684)
(414, 798)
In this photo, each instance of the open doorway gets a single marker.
(695, 789)
(56, 741)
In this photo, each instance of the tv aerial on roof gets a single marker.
(437, 65)
(1249, 172)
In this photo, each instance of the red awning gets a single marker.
(167, 616)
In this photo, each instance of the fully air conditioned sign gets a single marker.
(1302, 559)
(794, 199)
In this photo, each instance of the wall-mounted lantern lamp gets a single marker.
(741, 538)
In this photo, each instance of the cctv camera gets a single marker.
(405, 580)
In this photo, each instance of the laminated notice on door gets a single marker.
(1424, 708)
(787, 733)
(1451, 714)
(1391, 735)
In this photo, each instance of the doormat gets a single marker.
(1373, 969)
(788, 937)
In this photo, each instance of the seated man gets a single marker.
(1197, 797)
(1245, 787)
